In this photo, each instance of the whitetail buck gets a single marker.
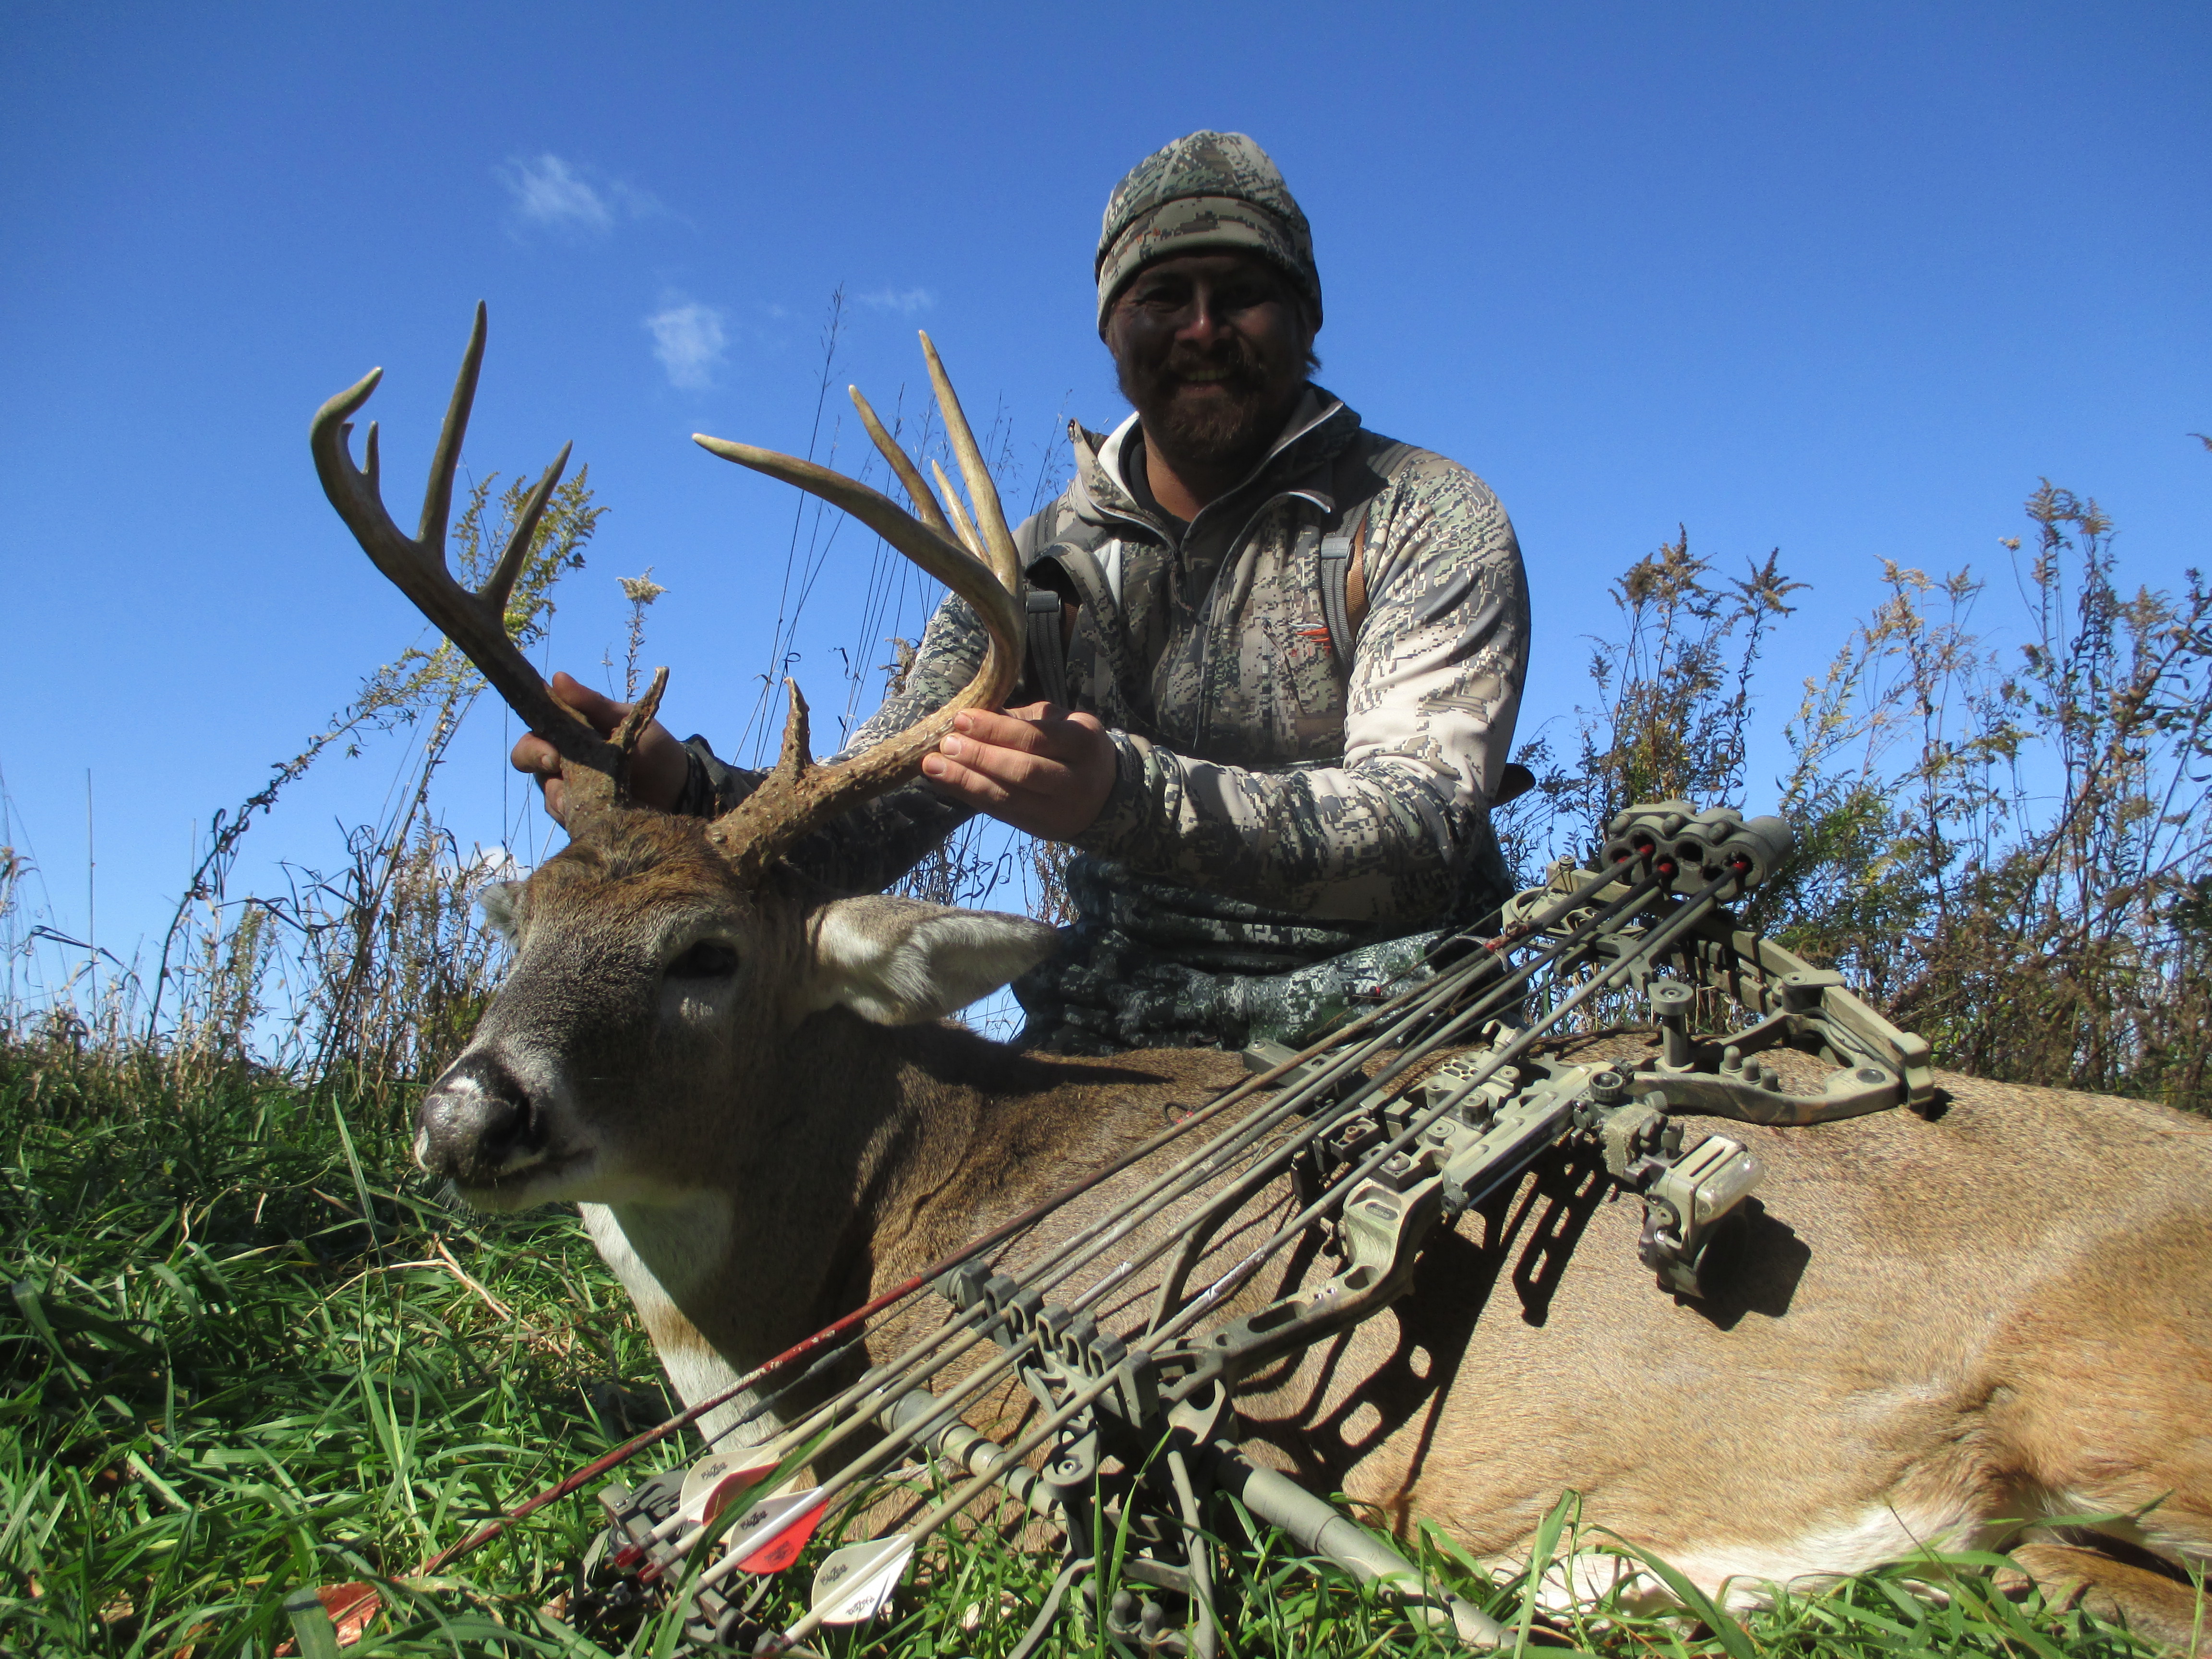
(1939, 1329)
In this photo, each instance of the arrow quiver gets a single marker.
(1394, 1127)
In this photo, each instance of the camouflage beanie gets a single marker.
(1209, 193)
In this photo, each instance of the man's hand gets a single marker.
(658, 766)
(1037, 767)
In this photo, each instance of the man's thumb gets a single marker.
(604, 712)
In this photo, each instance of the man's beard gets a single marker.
(1230, 428)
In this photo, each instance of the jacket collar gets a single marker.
(1320, 427)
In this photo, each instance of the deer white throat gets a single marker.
(666, 1256)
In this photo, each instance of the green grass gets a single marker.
(218, 1383)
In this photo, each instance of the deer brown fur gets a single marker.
(1933, 1330)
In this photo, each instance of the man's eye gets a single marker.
(708, 959)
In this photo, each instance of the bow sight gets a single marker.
(1115, 1332)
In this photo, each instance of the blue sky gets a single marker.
(1842, 280)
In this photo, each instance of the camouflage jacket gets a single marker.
(1250, 764)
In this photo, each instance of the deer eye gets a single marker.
(708, 959)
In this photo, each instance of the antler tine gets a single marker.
(798, 752)
(374, 473)
(476, 622)
(944, 559)
(982, 494)
(925, 504)
(641, 714)
(960, 520)
(501, 583)
(438, 495)
(798, 796)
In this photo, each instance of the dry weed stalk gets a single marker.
(2015, 859)
(370, 976)
(641, 591)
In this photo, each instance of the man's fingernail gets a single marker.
(951, 746)
(961, 722)
(931, 766)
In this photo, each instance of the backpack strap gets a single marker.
(1335, 585)
(1336, 546)
(1046, 660)
(1044, 655)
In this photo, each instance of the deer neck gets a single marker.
(866, 1128)
(894, 1128)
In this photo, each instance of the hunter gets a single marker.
(1274, 662)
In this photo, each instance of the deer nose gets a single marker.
(477, 1122)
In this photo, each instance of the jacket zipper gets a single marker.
(1203, 725)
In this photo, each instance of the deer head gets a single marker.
(659, 963)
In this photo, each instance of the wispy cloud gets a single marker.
(689, 340)
(904, 300)
(551, 194)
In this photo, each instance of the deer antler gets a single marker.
(593, 767)
(798, 796)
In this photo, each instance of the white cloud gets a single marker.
(554, 195)
(904, 300)
(688, 338)
(484, 866)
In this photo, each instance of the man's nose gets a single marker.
(1201, 320)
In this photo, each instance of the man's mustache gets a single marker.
(1233, 363)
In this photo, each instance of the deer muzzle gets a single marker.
(478, 1124)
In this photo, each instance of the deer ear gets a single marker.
(899, 961)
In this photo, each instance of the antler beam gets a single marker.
(593, 765)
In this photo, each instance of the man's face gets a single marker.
(1212, 350)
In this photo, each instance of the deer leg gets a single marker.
(2171, 1612)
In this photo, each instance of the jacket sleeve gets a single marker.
(1435, 689)
(878, 843)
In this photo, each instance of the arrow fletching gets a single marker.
(768, 1536)
(856, 1583)
(713, 1483)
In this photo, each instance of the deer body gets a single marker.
(1934, 1329)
